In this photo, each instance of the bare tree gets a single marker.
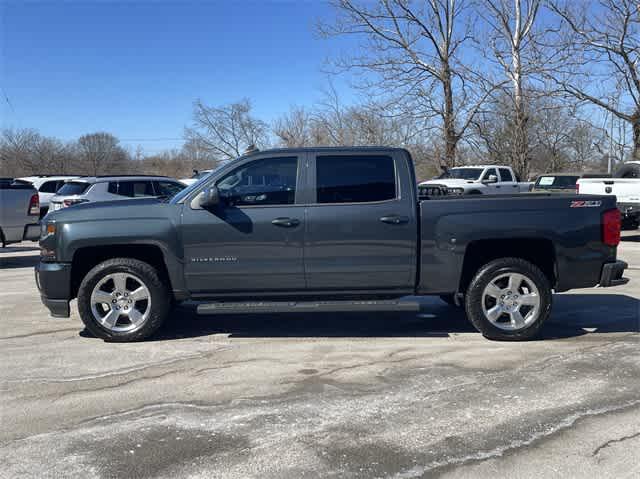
(100, 153)
(17, 152)
(604, 41)
(294, 128)
(513, 32)
(226, 130)
(414, 49)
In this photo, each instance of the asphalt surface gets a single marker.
(321, 395)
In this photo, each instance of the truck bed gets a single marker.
(568, 224)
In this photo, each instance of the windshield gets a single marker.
(202, 178)
(556, 182)
(73, 188)
(463, 173)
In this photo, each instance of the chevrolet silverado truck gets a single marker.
(324, 229)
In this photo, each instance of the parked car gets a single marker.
(196, 176)
(625, 186)
(111, 188)
(321, 229)
(562, 182)
(47, 186)
(19, 212)
(477, 180)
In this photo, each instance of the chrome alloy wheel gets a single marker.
(511, 301)
(120, 302)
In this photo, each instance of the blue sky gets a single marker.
(134, 68)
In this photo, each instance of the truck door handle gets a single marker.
(394, 219)
(286, 222)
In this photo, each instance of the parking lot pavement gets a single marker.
(331, 395)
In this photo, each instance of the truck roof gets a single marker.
(324, 149)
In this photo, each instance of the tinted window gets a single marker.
(505, 175)
(167, 188)
(490, 171)
(49, 187)
(271, 181)
(73, 188)
(113, 187)
(355, 179)
(462, 173)
(135, 189)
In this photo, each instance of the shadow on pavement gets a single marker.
(573, 315)
(19, 261)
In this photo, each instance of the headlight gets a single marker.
(455, 191)
(47, 229)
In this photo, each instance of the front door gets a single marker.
(361, 223)
(253, 240)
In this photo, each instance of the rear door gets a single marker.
(507, 182)
(361, 227)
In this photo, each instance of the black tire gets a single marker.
(489, 272)
(160, 299)
(450, 300)
(630, 223)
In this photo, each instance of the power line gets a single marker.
(6, 98)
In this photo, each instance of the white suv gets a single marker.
(110, 188)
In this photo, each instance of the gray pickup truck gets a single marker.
(19, 212)
(324, 229)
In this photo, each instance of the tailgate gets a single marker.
(626, 190)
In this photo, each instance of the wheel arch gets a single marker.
(85, 258)
(538, 251)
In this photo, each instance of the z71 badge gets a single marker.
(586, 204)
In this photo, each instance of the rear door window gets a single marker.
(355, 179)
(49, 187)
(167, 188)
(74, 188)
(505, 174)
(135, 189)
(489, 172)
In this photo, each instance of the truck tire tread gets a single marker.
(160, 303)
(473, 303)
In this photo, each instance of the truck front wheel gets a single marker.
(123, 299)
(508, 299)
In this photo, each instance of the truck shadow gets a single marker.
(573, 315)
(30, 257)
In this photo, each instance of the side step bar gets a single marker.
(306, 306)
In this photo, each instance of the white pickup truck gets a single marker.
(625, 185)
(476, 180)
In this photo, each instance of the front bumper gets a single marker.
(612, 274)
(54, 283)
(629, 209)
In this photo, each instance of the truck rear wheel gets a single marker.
(123, 299)
(509, 299)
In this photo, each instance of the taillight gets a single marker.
(68, 203)
(611, 224)
(34, 205)
(577, 188)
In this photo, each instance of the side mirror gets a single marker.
(491, 179)
(210, 197)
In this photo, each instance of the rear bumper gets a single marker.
(612, 274)
(54, 283)
(31, 232)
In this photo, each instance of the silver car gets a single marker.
(110, 188)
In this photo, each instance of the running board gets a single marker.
(306, 306)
